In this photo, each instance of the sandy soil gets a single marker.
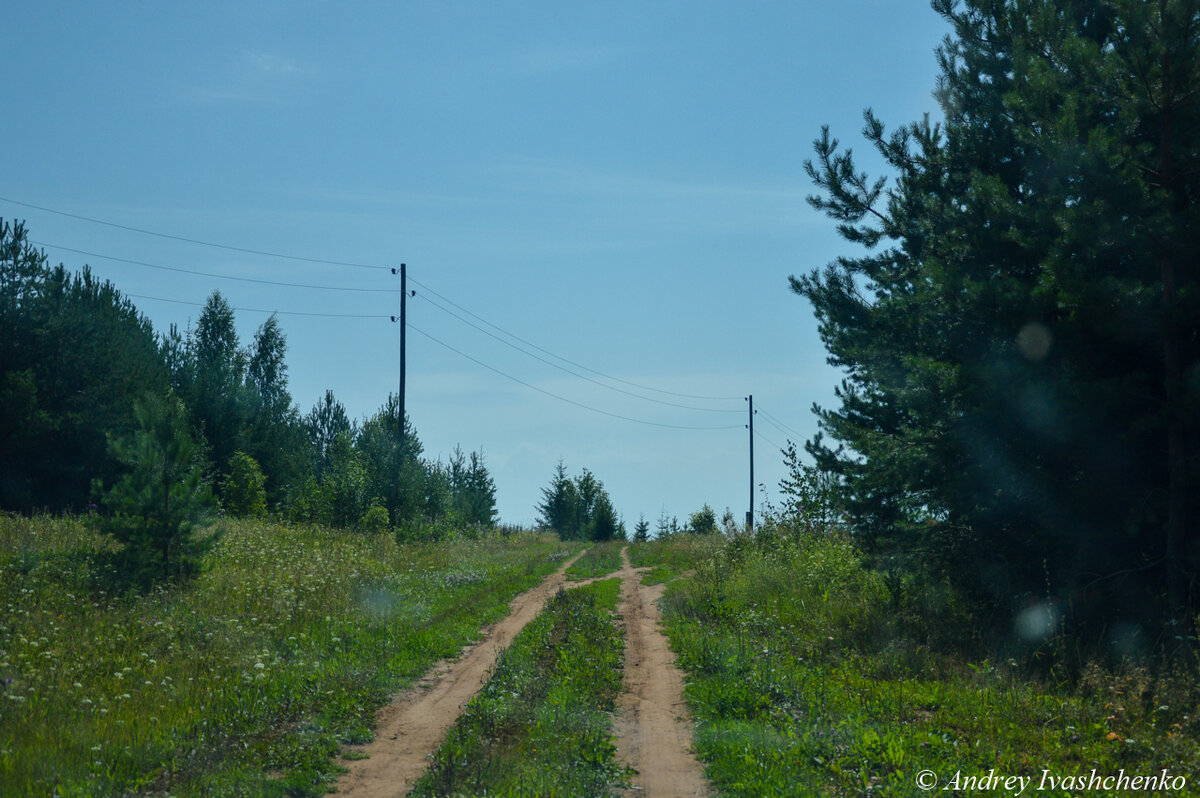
(654, 729)
(413, 725)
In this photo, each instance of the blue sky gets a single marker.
(620, 184)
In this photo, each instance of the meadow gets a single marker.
(246, 681)
(809, 674)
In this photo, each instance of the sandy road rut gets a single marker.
(654, 733)
(654, 730)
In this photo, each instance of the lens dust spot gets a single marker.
(1037, 622)
(1034, 341)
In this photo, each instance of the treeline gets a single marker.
(1021, 339)
(77, 359)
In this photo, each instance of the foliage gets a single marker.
(374, 520)
(74, 353)
(247, 683)
(473, 493)
(703, 521)
(808, 675)
(578, 509)
(542, 723)
(243, 494)
(1016, 414)
(641, 531)
(158, 507)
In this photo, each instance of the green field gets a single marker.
(246, 682)
(807, 676)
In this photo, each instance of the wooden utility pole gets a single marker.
(750, 512)
(403, 332)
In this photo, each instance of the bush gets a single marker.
(374, 520)
(244, 490)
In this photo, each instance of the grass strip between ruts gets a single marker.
(542, 725)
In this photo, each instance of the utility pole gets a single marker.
(403, 272)
(750, 426)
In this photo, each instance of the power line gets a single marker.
(261, 310)
(784, 428)
(567, 370)
(192, 240)
(768, 440)
(568, 360)
(562, 398)
(767, 419)
(211, 274)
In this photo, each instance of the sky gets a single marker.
(599, 206)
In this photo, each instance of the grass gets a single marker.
(806, 677)
(599, 560)
(244, 682)
(542, 724)
(668, 558)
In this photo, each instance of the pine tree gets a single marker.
(1016, 337)
(159, 506)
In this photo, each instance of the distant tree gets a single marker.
(324, 423)
(346, 485)
(158, 507)
(243, 492)
(559, 508)
(603, 523)
(663, 527)
(703, 521)
(396, 473)
(578, 509)
(478, 502)
(641, 531)
(729, 524)
(218, 399)
(275, 435)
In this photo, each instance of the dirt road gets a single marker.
(412, 727)
(654, 730)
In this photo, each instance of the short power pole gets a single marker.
(750, 426)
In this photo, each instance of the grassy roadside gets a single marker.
(600, 559)
(245, 682)
(807, 677)
(542, 724)
(668, 558)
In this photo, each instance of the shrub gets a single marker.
(374, 520)
(244, 491)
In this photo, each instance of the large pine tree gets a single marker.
(1022, 338)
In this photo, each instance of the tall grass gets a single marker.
(809, 674)
(244, 682)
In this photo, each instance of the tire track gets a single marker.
(654, 727)
(415, 723)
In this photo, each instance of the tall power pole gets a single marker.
(403, 272)
(750, 512)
